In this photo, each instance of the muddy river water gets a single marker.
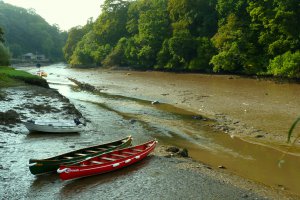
(125, 97)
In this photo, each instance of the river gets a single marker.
(261, 110)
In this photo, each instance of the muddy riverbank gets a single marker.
(262, 110)
(161, 176)
(119, 104)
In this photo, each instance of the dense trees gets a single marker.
(232, 36)
(4, 53)
(25, 32)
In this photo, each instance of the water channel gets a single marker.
(171, 125)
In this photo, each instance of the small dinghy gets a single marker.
(106, 162)
(40, 166)
(54, 126)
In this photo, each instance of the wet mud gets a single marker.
(113, 112)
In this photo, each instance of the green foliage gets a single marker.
(205, 51)
(74, 36)
(1, 35)
(232, 36)
(111, 24)
(4, 52)
(277, 23)
(117, 55)
(4, 55)
(25, 32)
(286, 65)
(11, 77)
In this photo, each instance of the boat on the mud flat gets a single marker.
(107, 162)
(41, 74)
(41, 166)
(54, 126)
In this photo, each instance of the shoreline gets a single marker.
(224, 176)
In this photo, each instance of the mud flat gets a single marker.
(162, 175)
(262, 110)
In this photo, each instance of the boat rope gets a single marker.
(62, 170)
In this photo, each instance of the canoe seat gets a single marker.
(80, 154)
(119, 155)
(96, 162)
(101, 149)
(130, 153)
(68, 157)
(110, 159)
(91, 151)
(138, 150)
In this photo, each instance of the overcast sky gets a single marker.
(65, 13)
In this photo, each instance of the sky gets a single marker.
(65, 13)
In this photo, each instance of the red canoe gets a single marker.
(106, 162)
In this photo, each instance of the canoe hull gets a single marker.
(42, 166)
(74, 172)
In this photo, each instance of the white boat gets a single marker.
(54, 126)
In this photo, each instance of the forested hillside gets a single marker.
(27, 32)
(4, 53)
(233, 36)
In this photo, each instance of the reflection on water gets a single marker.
(174, 126)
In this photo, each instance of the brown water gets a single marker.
(128, 96)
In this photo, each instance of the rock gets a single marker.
(155, 102)
(221, 167)
(183, 153)
(259, 136)
(9, 117)
(173, 149)
(208, 167)
(198, 117)
(132, 121)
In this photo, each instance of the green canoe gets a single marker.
(41, 166)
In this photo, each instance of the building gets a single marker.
(33, 57)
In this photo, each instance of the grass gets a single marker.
(11, 77)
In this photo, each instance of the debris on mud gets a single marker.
(83, 86)
(175, 151)
(32, 102)
(9, 117)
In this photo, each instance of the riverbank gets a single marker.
(214, 182)
(253, 109)
(190, 179)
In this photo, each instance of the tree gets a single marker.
(4, 53)
(25, 31)
(286, 65)
(1, 35)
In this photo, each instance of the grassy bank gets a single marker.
(11, 77)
